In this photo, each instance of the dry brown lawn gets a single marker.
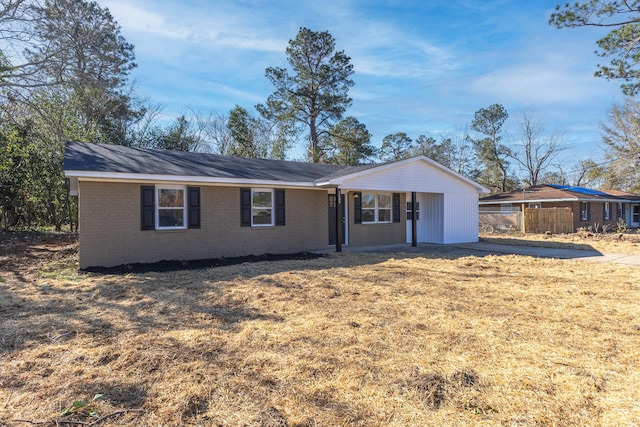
(344, 340)
(615, 243)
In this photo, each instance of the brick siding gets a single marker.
(110, 231)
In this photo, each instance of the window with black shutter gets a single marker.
(376, 208)
(585, 213)
(262, 207)
(169, 207)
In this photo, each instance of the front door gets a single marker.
(332, 219)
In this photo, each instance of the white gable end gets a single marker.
(418, 175)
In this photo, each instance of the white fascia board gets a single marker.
(340, 180)
(139, 177)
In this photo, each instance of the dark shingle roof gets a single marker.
(87, 157)
(549, 192)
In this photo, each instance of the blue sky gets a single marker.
(421, 67)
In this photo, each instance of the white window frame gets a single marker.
(584, 213)
(271, 208)
(158, 188)
(377, 208)
(535, 205)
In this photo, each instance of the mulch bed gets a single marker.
(166, 266)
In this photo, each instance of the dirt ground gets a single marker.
(24, 255)
(614, 243)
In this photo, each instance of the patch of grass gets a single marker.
(347, 339)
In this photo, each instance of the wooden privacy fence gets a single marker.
(541, 220)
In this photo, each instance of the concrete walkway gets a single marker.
(557, 253)
(481, 248)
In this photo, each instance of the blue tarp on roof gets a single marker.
(580, 190)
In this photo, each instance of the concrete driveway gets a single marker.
(481, 248)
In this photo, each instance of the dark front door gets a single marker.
(332, 219)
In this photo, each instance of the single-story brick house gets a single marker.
(589, 206)
(144, 205)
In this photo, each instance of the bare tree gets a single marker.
(17, 21)
(589, 174)
(622, 146)
(536, 149)
(463, 156)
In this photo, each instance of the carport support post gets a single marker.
(414, 220)
(338, 221)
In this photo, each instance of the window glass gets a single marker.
(384, 208)
(262, 207)
(410, 211)
(170, 197)
(368, 215)
(606, 210)
(171, 207)
(584, 211)
(384, 215)
(376, 208)
(384, 201)
(369, 201)
(170, 218)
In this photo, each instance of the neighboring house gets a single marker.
(143, 205)
(589, 206)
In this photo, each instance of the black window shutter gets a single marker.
(245, 207)
(396, 207)
(357, 207)
(279, 206)
(193, 204)
(148, 208)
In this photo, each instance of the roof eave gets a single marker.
(138, 177)
(338, 181)
(567, 199)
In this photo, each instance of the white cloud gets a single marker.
(530, 83)
(543, 71)
(242, 40)
(148, 21)
(384, 50)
